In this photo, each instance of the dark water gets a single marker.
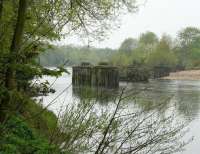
(184, 94)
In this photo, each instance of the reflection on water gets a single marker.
(185, 95)
(100, 95)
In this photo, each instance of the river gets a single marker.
(185, 93)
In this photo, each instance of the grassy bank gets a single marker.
(29, 130)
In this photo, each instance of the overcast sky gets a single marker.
(159, 16)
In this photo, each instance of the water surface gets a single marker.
(184, 94)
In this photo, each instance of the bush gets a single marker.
(19, 138)
(160, 58)
(47, 122)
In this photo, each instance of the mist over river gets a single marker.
(184, 94)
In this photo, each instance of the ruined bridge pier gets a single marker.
(98, 76)
(104, 75)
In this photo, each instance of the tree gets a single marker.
(1, 8)
(162, 56)
(27, 28)
(188, 36)
(128, 45)
(164, 44)
(74, 55)
(44, 21)
(169, 40)
(16, 42)
(148, 38)
(189, 45)
(147, 42)
(120, 59)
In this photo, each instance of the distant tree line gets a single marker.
(74, 55)
(27, 28)
(182, 52)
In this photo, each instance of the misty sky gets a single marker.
(159, 16)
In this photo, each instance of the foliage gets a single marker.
(162, 56)
(26, 29)
(120, 59)
(148, 38)
(150, 52)
(48, 120)
(74, 55)
(188, 49)
(128, 45)
(91, 128)
(188, 36)
(139, 56)
(22, 104)
(147, 50)
(18, 137)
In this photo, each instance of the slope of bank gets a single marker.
(28, 130)
(184, 75)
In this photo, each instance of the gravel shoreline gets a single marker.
(184, 75)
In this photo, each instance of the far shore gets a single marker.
(184, 75)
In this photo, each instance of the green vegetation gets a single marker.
(188, 48)
(162, 55)
(20, 138)
(150, 55)
(27, 29)
(74, 55)
(24, 130)
(148, 50)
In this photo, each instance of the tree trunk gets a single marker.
(10, 82)
(1, 13)
(1, 9)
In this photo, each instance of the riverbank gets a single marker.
(184, 75)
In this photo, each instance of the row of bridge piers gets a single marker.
(104, 75)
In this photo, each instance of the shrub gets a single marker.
(19, 138)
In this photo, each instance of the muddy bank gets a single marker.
(184, 75)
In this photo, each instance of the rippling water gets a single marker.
(184, 94)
